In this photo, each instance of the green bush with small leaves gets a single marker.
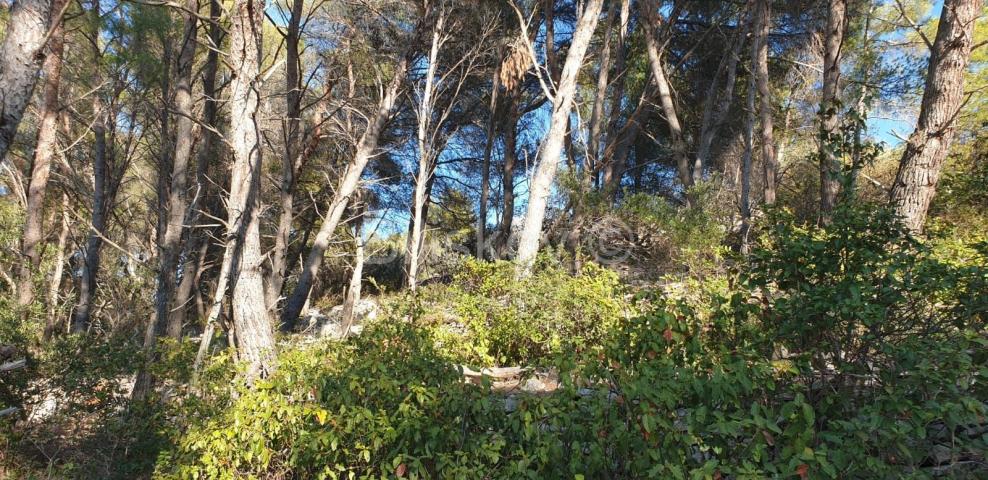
(490, 318)
(851, 351)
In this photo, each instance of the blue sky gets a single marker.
(889, 128)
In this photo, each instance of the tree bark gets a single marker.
(366, 148)
(289, 164)
(552, 145)
(44, 151)
(829, 166)
(617, 141)
(485, 172)
(619, 148)
(927, 148)
(356, 278)
(749, 146)
(427, 155)
(51, 322)
(94, 242)
(666, 102)
(597, 113)
(510, 136)
(196, 245)
(717, 104)
(770, 166)
(175, 207)
(20, 58)
(254, 335)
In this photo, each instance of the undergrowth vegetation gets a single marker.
(851, 351)
(846, 352)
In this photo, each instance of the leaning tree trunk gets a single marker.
(41, 163)
(254, 335)
(348, 184)
(666, 101)
(20, 58)
(927, 148)
(552, 146)
(759, 52)
(829, 166)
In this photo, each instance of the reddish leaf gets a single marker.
(667, 335)
(803, 471)
(401, 470)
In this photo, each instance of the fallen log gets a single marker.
(14, 365)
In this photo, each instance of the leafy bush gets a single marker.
(384, 404)
(677, 240)
(846, 352)
(487, 317)
(888, 338)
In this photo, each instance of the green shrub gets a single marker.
(383, 404)
(677, 240)
(487, 317)
(846, 352)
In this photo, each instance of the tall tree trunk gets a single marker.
(593, 156)
(417, 226)
(254, 335)
(175, 208)
(356, 278)
(861, 105)
(616, 142)
(927, 148)
(619, 148)
(668, 104)
(366, 148)
(749, 146)
(289, 164)
(763, 19)
(717, 104)
(94, 242)
(176, 204)
(427, 157)
(51, 323)
(510, 135)
(485, 172)
(44, 151)
(597, 113)
(552, 145)
(829, 165)
(20, 58)
(197, 244)
(416, 234)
